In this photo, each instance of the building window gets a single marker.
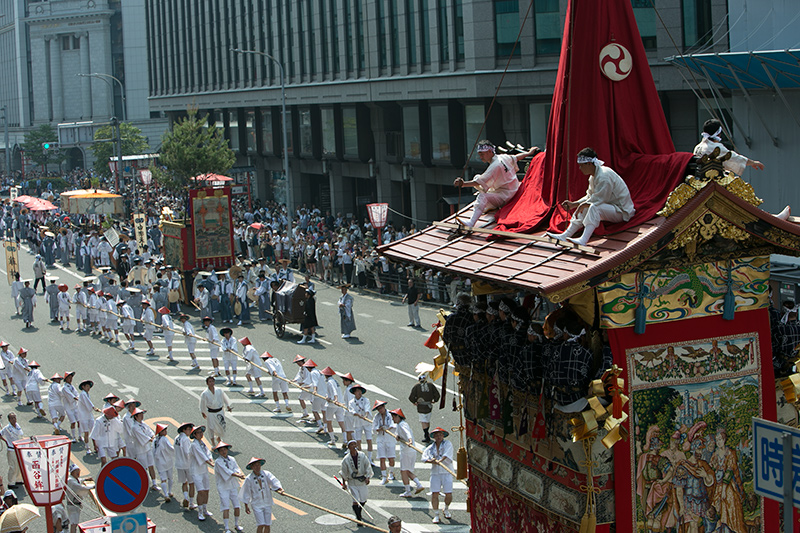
(444, 36)
(548, 27)
(348, 36)
(696, 22)
(306, 143)
(411, 136)
(328, 132)
(312, 44)
(411, 32)
(289, 38)
(645, 15)
(425, 34)
(301, 38)
(334, 10)
(475, 115)
(360, 36)
(506, 25)
(323, 38)
(458, 7)
(350, 131)
(251, 131)
(539, 114)
(394, 20)
(267, 141)
(233, 129)
(380, 15)
(440, 133)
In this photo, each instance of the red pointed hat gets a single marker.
(110, 396)
(327, 371)
(398, 412)
(310, 364)
(266, 355)
(254, 460)
(245, 341)
(377, 404)
(24, 350)
(110, 412)
(119, 404)
(56, 376)
(222, 445)
(298, 358)
(163, 310)
(440, 430)
(349, 376)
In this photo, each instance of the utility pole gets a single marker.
(118, 139)
(5, 135)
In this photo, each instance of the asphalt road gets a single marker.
(381, 356)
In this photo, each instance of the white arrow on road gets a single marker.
(121, 387)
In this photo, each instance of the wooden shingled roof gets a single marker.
(536, 263)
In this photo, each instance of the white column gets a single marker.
(57, 89)
(86, 82)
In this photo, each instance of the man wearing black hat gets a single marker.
(256, 491)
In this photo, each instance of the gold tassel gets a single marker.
(461, 463)
(589, 520)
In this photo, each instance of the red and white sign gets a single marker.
(378, 213)
(44, 462)
(146, 175)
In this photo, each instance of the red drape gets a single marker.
(622, 120)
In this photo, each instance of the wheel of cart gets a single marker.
(279, 324)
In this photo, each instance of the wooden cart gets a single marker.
(287, 306)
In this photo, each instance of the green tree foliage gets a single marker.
(33, 146)
(656, 406)
(104, 147)
(190, 149)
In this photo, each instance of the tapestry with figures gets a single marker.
(692, 393)
(690, 291)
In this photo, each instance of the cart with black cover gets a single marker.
(288, 300)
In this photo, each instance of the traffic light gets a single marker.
(49, 146)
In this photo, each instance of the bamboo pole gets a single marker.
(315, 506)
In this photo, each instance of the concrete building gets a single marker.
(46, 45)
(387, 97)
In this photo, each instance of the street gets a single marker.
(381, 356)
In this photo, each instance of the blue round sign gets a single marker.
(122, 485)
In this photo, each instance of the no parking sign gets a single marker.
(122, 485)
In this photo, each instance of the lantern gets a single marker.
(44, 462)
(377, 216)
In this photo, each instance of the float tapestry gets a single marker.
(691, 291)
(212, 226)
(691, 459)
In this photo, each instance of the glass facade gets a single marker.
(697, 28)
(233, 130)
(539, 115)
(440, 133)
(474, 116)
(411, 138)
(458, 7)
(267, 140)
(250, 115)
(350, 131)
(506, 26)
(411, 32)
(444, 37)
(548, 27)
(646, 21)
(425, 34)
(328, 132)
(306, 143)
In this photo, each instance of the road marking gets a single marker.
(328, 303)
(416, 503)
(297, 331)
(365, 315)
(387, 322)
(393, 369)
(121, 387)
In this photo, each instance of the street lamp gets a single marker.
(285, 137)
(102, 76)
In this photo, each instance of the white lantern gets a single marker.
(44, 462)
(378, 214)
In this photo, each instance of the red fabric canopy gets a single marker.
(622, 120)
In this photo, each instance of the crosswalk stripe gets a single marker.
(415, 503)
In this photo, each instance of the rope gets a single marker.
(494, 99)
(315, 506)
(268, 371)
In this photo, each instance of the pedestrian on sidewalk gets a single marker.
(412, 299)
(28, 297)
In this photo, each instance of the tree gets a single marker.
(105, 146)
(34, 149)
(190, 149)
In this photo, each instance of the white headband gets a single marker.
(715, 136)
(584, 159)
(485, 148)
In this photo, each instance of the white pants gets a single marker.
(413, 314)
(14, 474)
(596, 213)
(407, 458)
(263, 515)
(386, 448)
(228, 498)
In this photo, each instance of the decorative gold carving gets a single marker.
(710, 171)
(782, 238)
(704, 229)
(563, 294)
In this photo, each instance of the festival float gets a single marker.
(630, 408)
